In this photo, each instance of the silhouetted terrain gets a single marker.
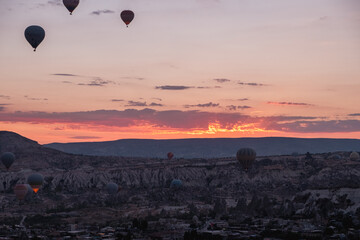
(207, 148)
(323, 191)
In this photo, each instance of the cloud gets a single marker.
(4, 97)
(242, 99)
(319, 126)
(142, 104)
(54, 2)
(251, 84)
(159, 99)
(35, 99)
(93, 82)
(85, 137)
(65, 75)
(2, 106)
(180, 120)
(323, 18)
(168, 87)
(51, 3)
(290, 103)
(354, 115)
(117, 100)
(67, 82)
(222, 80)
(210, 104)
(105, 11)
(136, 104)
(233, 107)
(155, 104)
(134, 78)
(131, 117)
(96, 82)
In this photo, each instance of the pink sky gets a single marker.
(183, 69)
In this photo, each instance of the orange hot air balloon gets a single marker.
(170, 155)
(127, 16)
(20, 191)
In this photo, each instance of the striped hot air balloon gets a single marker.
(170, 155)
(246, 157)
(20, 191)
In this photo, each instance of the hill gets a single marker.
(207, 148)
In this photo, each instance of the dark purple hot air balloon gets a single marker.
(127, 16)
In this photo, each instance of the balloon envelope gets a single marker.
(20, 191)
(354, 156)
(30, 191)
(112, 188)
(170, 155)
(34, 35)
(71, 5)
(35, 181)
(246, 157)
(7, 159)
(127, 16)
(176, 183)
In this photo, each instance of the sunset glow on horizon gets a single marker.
(188, 69)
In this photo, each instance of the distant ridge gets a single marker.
(207, 148)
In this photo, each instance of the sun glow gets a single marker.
(215, 128)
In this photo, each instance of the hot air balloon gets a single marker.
(246, 157)
(176, 183)
(127, 16)
(170, 155)
(35, 181)
(30, 191)
(20, 191)
(7, 159)
(112, 188)
(354, 156)
(34, 35)
(71, 5)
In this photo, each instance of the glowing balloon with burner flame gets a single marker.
(35, 181)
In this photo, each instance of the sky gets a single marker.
(182, 69)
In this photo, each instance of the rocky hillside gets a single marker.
(75, 178)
